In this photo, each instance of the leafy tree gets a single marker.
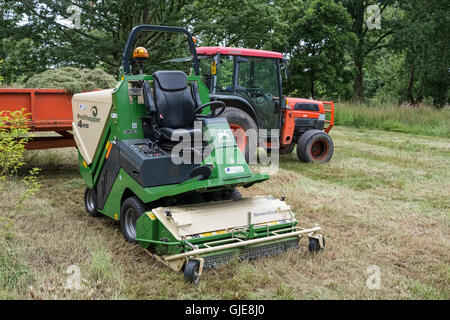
(104, 27)
(235, 23)
(368, 40)
(317, 47)
(22, 58)
(424, 40)
(18, 48)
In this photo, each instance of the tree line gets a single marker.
(335, 49)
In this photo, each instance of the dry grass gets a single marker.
(72, 79)
(423, 120)
(383, 200)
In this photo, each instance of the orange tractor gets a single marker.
(249, 82)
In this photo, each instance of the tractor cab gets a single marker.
(249, 82)
(252, 76)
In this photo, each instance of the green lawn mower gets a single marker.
(187, 214)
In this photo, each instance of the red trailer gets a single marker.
(50, 110)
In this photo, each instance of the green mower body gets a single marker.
(187, 214)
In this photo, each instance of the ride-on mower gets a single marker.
(188, 215)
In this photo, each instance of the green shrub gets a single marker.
(72, 79)
(13, 138)
(13, 274)
(14, 135)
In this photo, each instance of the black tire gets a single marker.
(234, 194)
(191, 271)
(314, 245)
(315, 146)
(287, 150)
(242, 119)
(282, 151)
(132, 208)
(90, 202)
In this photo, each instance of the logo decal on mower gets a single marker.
(94, 111)
(232, 170)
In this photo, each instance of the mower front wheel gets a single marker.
(90, 202)
(132, 209)
(314, 245)
(234, 195)
(191, 271)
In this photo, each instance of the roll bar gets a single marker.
(147, 27)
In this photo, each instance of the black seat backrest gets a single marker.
(173, 99)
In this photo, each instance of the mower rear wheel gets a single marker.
(132, 209)
(90, 202)
(191, 271)
(315, 146)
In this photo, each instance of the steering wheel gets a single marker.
(256, 92)
(214, 105)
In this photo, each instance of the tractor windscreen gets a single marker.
(167, 51)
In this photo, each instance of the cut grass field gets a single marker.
(383, 200)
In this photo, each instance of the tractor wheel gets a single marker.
(132, 209)
(90, 202)
(287, 150)
(191, 271)
(315, 146)
(240, 122)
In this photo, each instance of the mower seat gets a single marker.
(175, 104)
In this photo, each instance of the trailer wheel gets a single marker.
(132, 209)
(315, 146)
(90, 202)
(240, 122)
(314, 245)
(191, 271)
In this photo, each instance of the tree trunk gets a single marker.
(358, 84)
(358, 27)
(409, 92)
